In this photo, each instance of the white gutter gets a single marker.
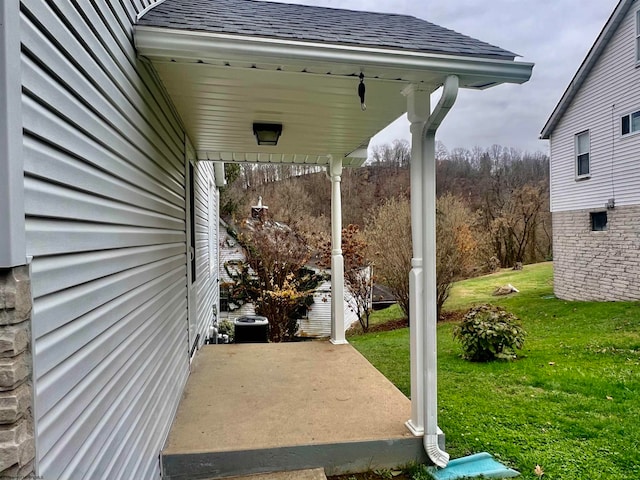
(430, 439)
(193, 46)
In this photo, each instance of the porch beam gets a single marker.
(337, 260)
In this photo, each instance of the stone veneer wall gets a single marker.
(601, 266)
(17, 444)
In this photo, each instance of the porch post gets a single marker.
(337, 261)
(418, 107)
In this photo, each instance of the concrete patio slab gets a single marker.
(253, 408)
(315, 474)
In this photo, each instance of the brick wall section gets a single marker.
(602, 266)
(17, 445)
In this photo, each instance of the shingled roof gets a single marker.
(317, 24)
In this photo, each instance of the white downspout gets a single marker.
(449, 94)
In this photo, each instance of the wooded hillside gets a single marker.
(503, 192)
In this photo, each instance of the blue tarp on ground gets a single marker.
(480, 464)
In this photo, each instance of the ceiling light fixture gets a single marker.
(267, 133)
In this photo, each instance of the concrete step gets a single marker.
(314, 474)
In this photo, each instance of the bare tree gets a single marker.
(357, 271)
(388, 233)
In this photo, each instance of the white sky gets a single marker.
(554, 34)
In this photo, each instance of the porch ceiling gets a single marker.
(221, 84)
(320, 112)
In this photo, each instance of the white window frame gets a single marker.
(638, 37)
(629, 116)
(578, 154)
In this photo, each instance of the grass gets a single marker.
(570, 403)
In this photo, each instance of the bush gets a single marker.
(488, 332)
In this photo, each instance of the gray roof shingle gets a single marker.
(317, 24)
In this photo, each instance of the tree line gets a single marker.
(492, 211)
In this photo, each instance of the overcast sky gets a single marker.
(554, 34)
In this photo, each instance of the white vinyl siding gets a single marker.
(206, 207)
(611, 90)
(105, 222)
(317, 323)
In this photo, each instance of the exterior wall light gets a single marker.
(267, 133)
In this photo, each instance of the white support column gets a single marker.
(337, 260)
(422, 279)
(418, 106)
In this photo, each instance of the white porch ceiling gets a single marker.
(320, 113)
(222, 84)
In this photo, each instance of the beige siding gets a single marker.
(611, 90)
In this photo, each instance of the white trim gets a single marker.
(190, 240)
(212, 223)
(630, 115)
(585, 68)
(577, 154)
(212, 47)
(637, 36)
(146, 9)
(219, 174)
(13, 248)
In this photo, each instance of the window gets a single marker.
(224, 299)
(630, 123)
(582, 155)
(598, 221)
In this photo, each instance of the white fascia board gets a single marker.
(175, 44)
(12, 228)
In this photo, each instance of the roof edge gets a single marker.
(165, 42)
(586, 66)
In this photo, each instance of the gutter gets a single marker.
(173, 44)
(430, 439)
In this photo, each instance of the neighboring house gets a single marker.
(231, 255)
(317, 321)
(113, 115)
(594, 133)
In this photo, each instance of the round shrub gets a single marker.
(488, 332)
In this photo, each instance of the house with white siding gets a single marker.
(594, 134)
(115, 120)
(316, 322)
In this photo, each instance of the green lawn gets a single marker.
(570, 403)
